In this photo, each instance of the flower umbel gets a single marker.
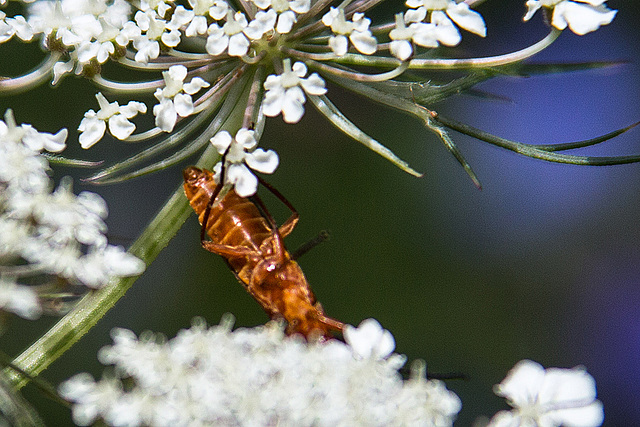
(255, 376)
(254, 58)
(57, 235)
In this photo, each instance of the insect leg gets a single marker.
(290, 223)
(228, 251)
(332, 323)
(207, 211)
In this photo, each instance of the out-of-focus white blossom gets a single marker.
(18, 299)
(44, 232)
(548, 397)
(94, 124)
(215, 376)
(581, 16)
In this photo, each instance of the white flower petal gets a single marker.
(369, 339)
(183, 104)
(532, 8)
(238, 45)
(92, 130)
(445, 31)
(246, 138)
(338, 44)
(221, 141)
(468, 19)
(401, 49)
(132, 109)
(166, 115)
(581, 18)
(292, 105)
(120, 127)
(314, 85)
(262, 161)
(364, 42)
(285, 22)
(194, 85)
(245, 182)
(522, 383)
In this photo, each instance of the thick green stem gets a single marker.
(153, 239)
(94, 305)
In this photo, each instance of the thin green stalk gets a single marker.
(94, 305)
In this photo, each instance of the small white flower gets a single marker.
(154, 28)
(99, 266)
(175, 97)
(21, 300)
(420, 33)
(17, 26)
(369, 340)
(240, 160)
(581, 16)
(92, 399)
(284, 93)
(443, 14)
(357, 31)
(286, 11)
(229, 37)
(93, 125)
(551, 397)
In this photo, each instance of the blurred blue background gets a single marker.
(543, 263)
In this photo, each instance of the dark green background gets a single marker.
(543, 263)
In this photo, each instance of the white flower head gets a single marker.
(242, 157)
(548, 397)
(258, 376)
(581, 16)
(356, 30)
(94, 124)
(285, 92)
(175, 98)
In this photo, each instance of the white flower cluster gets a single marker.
(43, 232)
(225, 42)
(551, 397)
(431, 22)
(258, 377)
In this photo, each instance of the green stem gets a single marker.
(94, 305)
(153, 239)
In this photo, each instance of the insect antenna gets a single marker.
(323, 236)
